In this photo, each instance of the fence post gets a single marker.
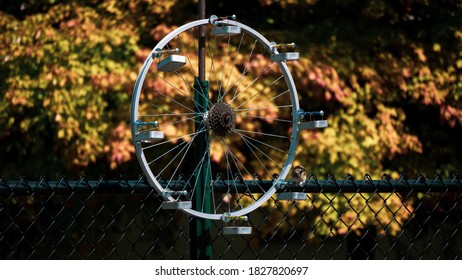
(200, 229)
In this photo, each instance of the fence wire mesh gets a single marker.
(340, 219)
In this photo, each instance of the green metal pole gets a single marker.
(200, 229)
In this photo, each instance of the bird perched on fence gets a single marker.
(299, 174)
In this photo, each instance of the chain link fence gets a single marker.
(340, 219)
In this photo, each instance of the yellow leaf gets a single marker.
(420, 53)
(459, 63)
(61, 133)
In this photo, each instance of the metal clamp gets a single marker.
(215, 20)
(308, 120)
(148, 136)
(140, 124)
(221, 29)
(282, 47)
(167, 193)
(158, 52)
(172, 62)
(283, 52)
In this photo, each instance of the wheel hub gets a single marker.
(221, 119)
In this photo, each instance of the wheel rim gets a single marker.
(250, 116)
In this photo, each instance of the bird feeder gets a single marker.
(286, 194)
(283, 52)
(311, 120)
(172, 62)
(175, 204)
(235, 230)
(221, 29)
(148, 135)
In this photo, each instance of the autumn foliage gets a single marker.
(387, 74)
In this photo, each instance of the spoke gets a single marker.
(181, 160)
(247, 110)
(228, 170)
(171, 114)
(194, 115)
(263, 153)
(256, 156)
(245, 70)
(194, 172)
(180, 91)
(178, 72)
(266, 101)
(235, 160)
(167, 152)
(260, 133)
(212, 195)
(173, 100)
(175, 122)
(223, 71)
(264, 118)
(228, 167)
(200, 85)
(189, 85)
(212, 62)
(258, 93)
(199, 167)
(185, 144)
(172, 140)
(251, 83)
(232, 67)
(263, 143)
(169, 123)
(209, 186)
(209, 145)
(231, 159)
(186, 53)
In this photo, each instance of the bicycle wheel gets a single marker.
(242, 119)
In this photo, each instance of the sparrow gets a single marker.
(299, 174)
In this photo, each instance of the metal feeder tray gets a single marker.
(171, 63)
(237, 230)
(312, 125)
(149, 136)
(175, 205)
(287, 56)
(226, 30)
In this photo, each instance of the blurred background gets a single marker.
(387, 74)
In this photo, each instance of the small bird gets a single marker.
(299, 174)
